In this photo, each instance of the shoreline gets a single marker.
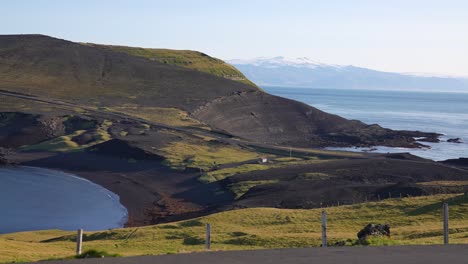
(67, 188)
(105, 180)
(432, 152)
(145, 188)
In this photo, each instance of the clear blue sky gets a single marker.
(393, 35)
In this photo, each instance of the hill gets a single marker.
(42, 65)
(187, 59)
(412, 221)
(98, 76)
(303, 72)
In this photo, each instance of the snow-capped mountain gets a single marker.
(279, 61)
(304, 72)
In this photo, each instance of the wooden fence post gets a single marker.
(324, 228)
(208, 236)
(446, 224)
(79, 241)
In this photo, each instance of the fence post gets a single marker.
(79, 241)
(446, 224)
(324, 228)
(208, 236)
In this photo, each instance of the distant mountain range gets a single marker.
(303, 72)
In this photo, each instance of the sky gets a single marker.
(411, 36)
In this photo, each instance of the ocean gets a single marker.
(36, 199)
(445, 113)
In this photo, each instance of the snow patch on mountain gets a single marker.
(304, 72)
(279, 61)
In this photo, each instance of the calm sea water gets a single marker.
(445, 113)
(34, 199)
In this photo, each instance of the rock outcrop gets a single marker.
(4, 159)
(455, 140)
(373, 230)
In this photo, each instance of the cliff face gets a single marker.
(102, 77)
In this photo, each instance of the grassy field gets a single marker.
(188, 59)
(222, 174)
(12, 104)
(306, 152)
(167, 116)
(413, 220)
(204, 155)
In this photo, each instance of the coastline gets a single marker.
(70, 201)
(444, 114)
(145, 188)
(431, 151)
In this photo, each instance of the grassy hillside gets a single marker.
(186, 58)
(413, 221)
(97, 76)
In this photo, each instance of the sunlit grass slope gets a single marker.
(413, 221)
(204, 154)
(189, 59)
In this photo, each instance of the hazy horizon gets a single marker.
(398, 36)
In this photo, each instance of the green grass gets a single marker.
(287, 159)
(221, 174)
(58, 144)
(413, 221)
(241, 188)
(66, 144)
(188, 59)
(302, 153)
(444, 183)
(204, 155)
(167, 116)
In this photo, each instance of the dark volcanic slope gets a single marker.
(92, 75)
(346, 182)
(271, 119)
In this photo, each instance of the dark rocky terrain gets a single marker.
(3, 157)
(462, 162)
(348, 181)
